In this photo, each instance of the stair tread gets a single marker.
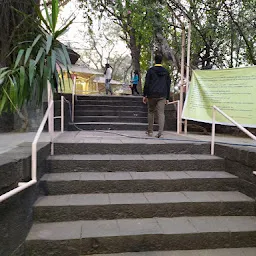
(116, 123)
(142, 198)
(210, 252)
(106, 117)
(137, 157)
(124, 106)
(136, 227)
(118, 111)
(159, 175)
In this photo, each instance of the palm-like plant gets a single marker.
(36, 62)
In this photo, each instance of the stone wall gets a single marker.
(240, 161)
(16, 212)
(6, 122)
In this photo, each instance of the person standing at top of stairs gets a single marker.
(108, 77)
(135, 82)
(156, 93)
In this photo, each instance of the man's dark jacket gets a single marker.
(157, 84)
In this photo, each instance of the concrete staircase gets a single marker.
(110, 113)
(148, 199)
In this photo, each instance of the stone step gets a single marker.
(142, 205)
(89, 126)
(111, 119)
(113, 102)
(132, 182)
(133, 146)
(139, 163)
(133, 235)
(110, 98)
(210, 252)
(115, 112)
(111, 107)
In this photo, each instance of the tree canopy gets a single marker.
(223, 31)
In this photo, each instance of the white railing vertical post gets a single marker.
(213, 130)
(185, 126)
(51, 116)
(73, 98)
(183, 45)
(188, 70)
(178, 117)
(34, 161)
(62, 114)
(52, 130)
(49, 91)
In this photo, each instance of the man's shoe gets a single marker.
(150, 134)
(159, 135)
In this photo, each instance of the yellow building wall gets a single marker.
(84, 85)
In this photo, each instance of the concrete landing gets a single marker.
(215, 252)
(9, 141)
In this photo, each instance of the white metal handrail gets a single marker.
(23, 185)
(47, 116)
(178, 114)
(231, 120)
(61, 117)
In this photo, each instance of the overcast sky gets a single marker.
(76, 35)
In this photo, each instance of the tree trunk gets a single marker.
(167, 51)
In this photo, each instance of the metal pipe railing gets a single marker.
(49, 115)
(34, 143)
(231, 120)
(178, 114)
(23, 185)
(61, 117)
(15, 191)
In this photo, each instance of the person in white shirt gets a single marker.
(108, 76)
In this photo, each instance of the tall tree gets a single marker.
(221, 31)
(139, 21)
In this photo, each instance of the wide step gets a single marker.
(128, 145)
(107, 97)
(139, 163)
(117, 112)
(110, 119)
(120, 126)
(141, 205)
(110, 102)
(210, 252)
(110, 108)
(127, 235)
(132, 182)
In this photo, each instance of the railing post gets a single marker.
(73, 98)
(51, 116)
(185, 126)
(50, 120)
(34, 162)
(188, 70)
(213, 130)
(178, 117)
(62, 114)
(182, 74)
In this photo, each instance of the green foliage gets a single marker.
(36, 63)
(222, 31)
(139, 21)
